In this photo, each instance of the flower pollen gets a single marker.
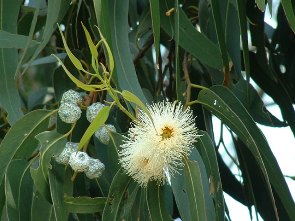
(167, 132)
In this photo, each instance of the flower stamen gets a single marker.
(167, 132)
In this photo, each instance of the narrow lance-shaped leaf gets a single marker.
(207, 151)
(56, 177)
(114, 23)
(41, 208)
(223, 103)
(190, 39)
(9, 99)
(156, 203)
(221, 38)
(80, 84)
(118, 187)
(22, 136)
(290, 14)
(197, 187)
(72, 57)
(260, 4)
(55, 12)
(191, 190)
(84, 204)
(12, 183)
(155, 14)
(52, 143)
(9, 40)
(98, 121)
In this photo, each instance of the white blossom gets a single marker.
(156, 144)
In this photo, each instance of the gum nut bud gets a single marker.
(95, 169)
(79, 161)
(69, 113)
(64, 157)
(93, 110)
(103, 135)
(72, 97)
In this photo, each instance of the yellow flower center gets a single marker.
(167, 132)
(144, 162)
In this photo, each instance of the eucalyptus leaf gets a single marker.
(21, 137)
(84, 204)
(223, 103)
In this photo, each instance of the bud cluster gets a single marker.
(80, 161)
(69, 111)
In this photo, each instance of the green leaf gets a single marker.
(25, 198)
(233, 39)
(223, 103)
(156, 203)
(114, 26)
(131, 208)
(52, 143)
(55, 12)
(41, 208)
(133, 98)
(220, 35)
(251, 100)
(155, 14)
(79, 83)
(19, 190)
(84, 204)
(117, 191)
(260, 4)
(289, 11)
(56, 182)
(9, 99)
(46, 60)
(2, 196)
(21, 138)
(91, 45)
(72, 57)
(243, 29)
(208, 153)
(197, 187)
(191, 190)
(179, 88)
(98, 121)
(190, 39)
(9, 40)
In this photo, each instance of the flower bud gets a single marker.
(93, 110)
(72, 97)
(79, 161)
(64, 157)
(95, 169)
(103, 135)
(69, 113)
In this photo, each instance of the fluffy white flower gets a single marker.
(64, 157)
(103, 135)
(156, 144)
(93, 110)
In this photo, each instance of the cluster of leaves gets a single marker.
(176, 50)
